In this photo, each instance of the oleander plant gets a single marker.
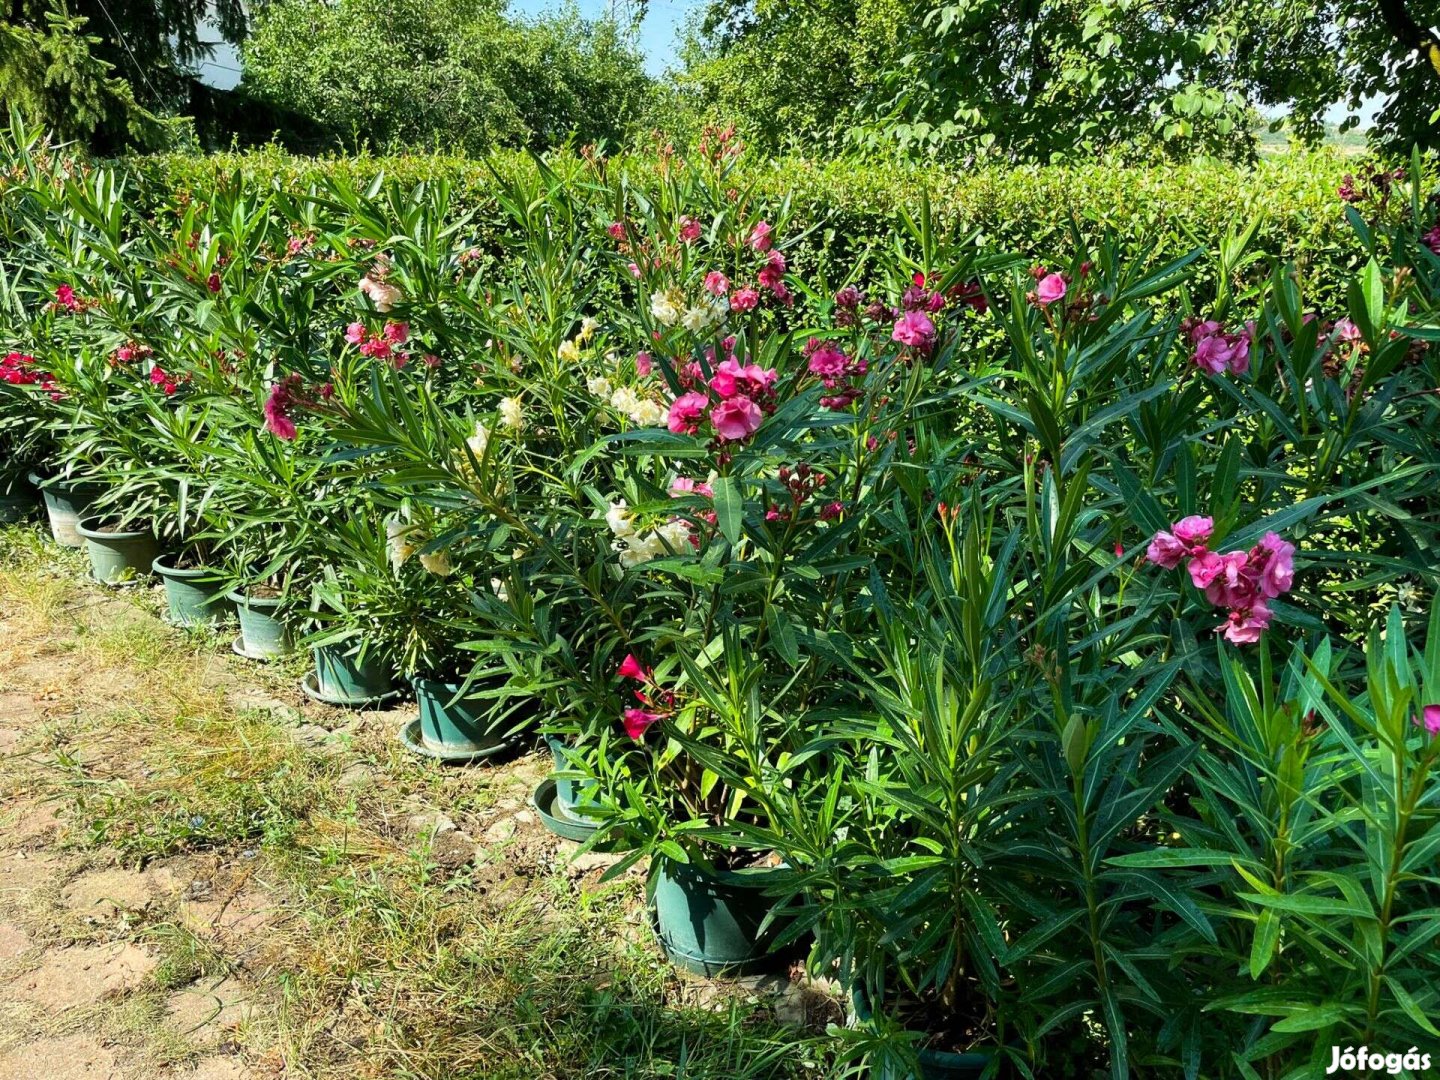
(1049, 653)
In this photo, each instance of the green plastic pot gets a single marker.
(65, 505)
(17, 499)
(263, 636)
(934, 1064)
(570, 798)
(470, 726)
(342, 678)
(192, 595)
(117, 555)
(709, 921)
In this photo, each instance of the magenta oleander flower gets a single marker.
(1050, 288)
(638, 721)
(277, 419)
(686, 412)
(914, 329)
(689, 229)
(736, 418)
(760, 236)
(1430, 719)
(829, 363)
(745, 299)
(1243, 626)
(716, 283)
(631, 668)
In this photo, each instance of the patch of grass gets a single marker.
(390, 962)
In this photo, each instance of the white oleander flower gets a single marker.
(569, 352)
(438, 563)
(599, 386)
(400, 542)
(667, 306)
(512, 415)
(588, 326)
(619, 520)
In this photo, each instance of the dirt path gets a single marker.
(204, 876)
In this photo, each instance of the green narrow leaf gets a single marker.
(729, 508)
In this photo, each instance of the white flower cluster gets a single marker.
(569, 351)
(643, 412)
(669, 307)
(511, 413)
(636, 548)
(402, 540)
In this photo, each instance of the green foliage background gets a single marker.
(844, 210)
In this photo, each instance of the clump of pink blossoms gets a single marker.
(1215, 350)
(745, 393)
(1241, 581)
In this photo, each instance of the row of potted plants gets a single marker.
(1000, 636)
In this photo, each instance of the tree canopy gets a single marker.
(1048, 79)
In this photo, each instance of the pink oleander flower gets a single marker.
(745, 299)
(684, 485)
(638, 721)
(1050, 288)
(760, 239)
(686, 412)
(65, 297)
(1217, 351)
(914, 329)
(643, 364)
(1348, 332)
(1231, 580)
(616, 229)
(1275, 559)
(751, 380)
(736, 418)
(1186, 538)
(689, 229)
(716, 283)
(1243, 626)
(396, 333)
(772, 274)
(634, 270)
(355, 333)
(213, 283)
(631, 668)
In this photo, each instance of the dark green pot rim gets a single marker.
(58, 483)
(162, 568)
(86, 529)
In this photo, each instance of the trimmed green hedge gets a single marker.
(1161, 212)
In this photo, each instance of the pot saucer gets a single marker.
(310, 685)
(411, 739)
(546, 803)
(238, 648)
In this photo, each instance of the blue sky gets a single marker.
(657, 33)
